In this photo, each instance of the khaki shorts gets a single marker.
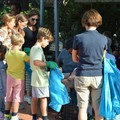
(85, 86)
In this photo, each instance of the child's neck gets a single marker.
(90, 28)
(38, 43)
(15, 47)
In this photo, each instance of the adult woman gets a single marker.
(8, 22)
(31, 30)
(20, 23)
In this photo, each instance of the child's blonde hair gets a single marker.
(44, 32)
(17, 39)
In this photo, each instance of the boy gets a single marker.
(15, 76)
(39, 80)
(88, 49)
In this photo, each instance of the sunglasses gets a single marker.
(33, 19)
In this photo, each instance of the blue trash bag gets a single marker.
(110, 98)
(58, 92)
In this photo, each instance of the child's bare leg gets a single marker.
(82, 115)
(34, 104)
(97, 117)
(15, 107)
(43, 107)
(8, 105)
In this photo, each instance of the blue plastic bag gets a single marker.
(58, 92)
(110, 97)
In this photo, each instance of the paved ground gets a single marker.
(25, 114)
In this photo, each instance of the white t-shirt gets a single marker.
(39, 74)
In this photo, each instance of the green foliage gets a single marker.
(31, 7)
(3, 10)
(69, 19)
(70, 15)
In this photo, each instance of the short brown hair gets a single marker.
(44, 32)
(91, 18)
(17, 39)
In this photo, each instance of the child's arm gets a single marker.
(39, 63)
(50, 64)
(75, 56)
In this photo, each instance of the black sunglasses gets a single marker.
(33, 19)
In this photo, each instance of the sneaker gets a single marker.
(14, 118)
(27, 99)
(7, 117)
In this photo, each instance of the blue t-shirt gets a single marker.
(65, 61)
(90, 46)
(111, 57)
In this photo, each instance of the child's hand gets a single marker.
(51, 64)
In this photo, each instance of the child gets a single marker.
(39, 80)
(15, 77)
(3, 76)
(89, 46)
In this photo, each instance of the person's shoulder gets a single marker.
(36, 48)
(21, 52)
(63, 50)
(26, 29)
(102, 37)
(79, 35)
